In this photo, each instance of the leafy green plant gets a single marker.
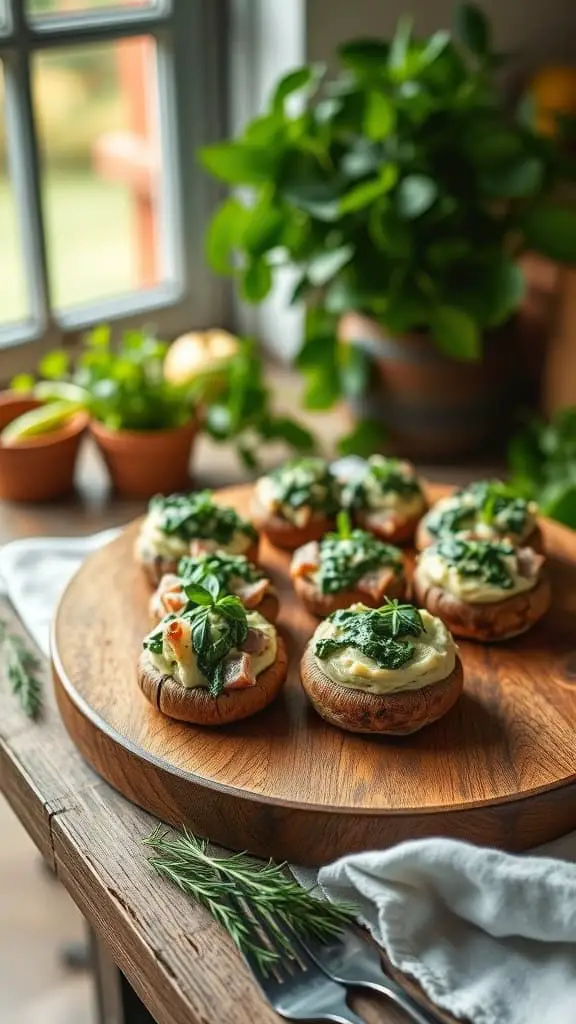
(542, 463)
(124, 387)
(402, 189)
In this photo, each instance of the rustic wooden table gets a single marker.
(174, 959)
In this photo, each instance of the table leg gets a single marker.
(116, 1000)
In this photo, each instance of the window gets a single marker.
(102, 204)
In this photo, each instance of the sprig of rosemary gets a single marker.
(230, 886)
(22, 671)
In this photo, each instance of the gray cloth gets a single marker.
(490, 937)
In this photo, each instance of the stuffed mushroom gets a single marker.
(214, 662)
(347, 567)
(176, 522)
(390, 670)
(385, 497)
(482, 589)
(235, 574)
(296, 503)
(488, 509)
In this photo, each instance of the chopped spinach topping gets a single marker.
(349, 554)
(218, 626)
(306, 482)
(485, 501)
(197, 515)
(482, 559)
(380, 634)
(380, 475)
(220, 564)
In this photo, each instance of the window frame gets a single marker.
(191, 44)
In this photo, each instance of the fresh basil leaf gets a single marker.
(198, 593)
(212, 585)
(232, 608)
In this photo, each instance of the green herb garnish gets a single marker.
(349, 554)
(232, 886)
(22, 671)
(220, 564)
(380, 634)
(482, 559)
(306, 482)
(218, 626)
(380, 476)
(486, 501)
(196, 515)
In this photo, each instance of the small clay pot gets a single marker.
(142, 463)
(39, 468)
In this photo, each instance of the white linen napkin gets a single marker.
(490, 937)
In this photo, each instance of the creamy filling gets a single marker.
(485, 531)
(433, 570)
(152, 542)
(182, 664)
(405, 506)
(433, 660)
(267, 497)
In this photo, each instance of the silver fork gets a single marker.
(300, 989)
(350, 960)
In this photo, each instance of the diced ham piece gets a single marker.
(177, 635)
(168, 597)
(251, 594)
(529, 562)
(255, 642)
(238, 673)
(200, 546)
(305, 560)
(384, 522)
(375, 584)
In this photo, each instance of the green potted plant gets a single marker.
(403, 193)
(146, 410)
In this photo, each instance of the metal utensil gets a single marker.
(299, 989)
(350, 960)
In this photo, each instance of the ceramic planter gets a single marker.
(143, 463)
(39, 468)
(432, 407)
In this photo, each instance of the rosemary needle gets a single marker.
(22, 671)
(225, 884)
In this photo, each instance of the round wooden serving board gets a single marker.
(499, 769)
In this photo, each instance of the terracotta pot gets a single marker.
(142, 463)
(432, 407)
(42, 467)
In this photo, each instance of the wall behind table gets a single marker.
(538, 30)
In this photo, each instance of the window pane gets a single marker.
(69, 6)
(96, 114)
(13, 304)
